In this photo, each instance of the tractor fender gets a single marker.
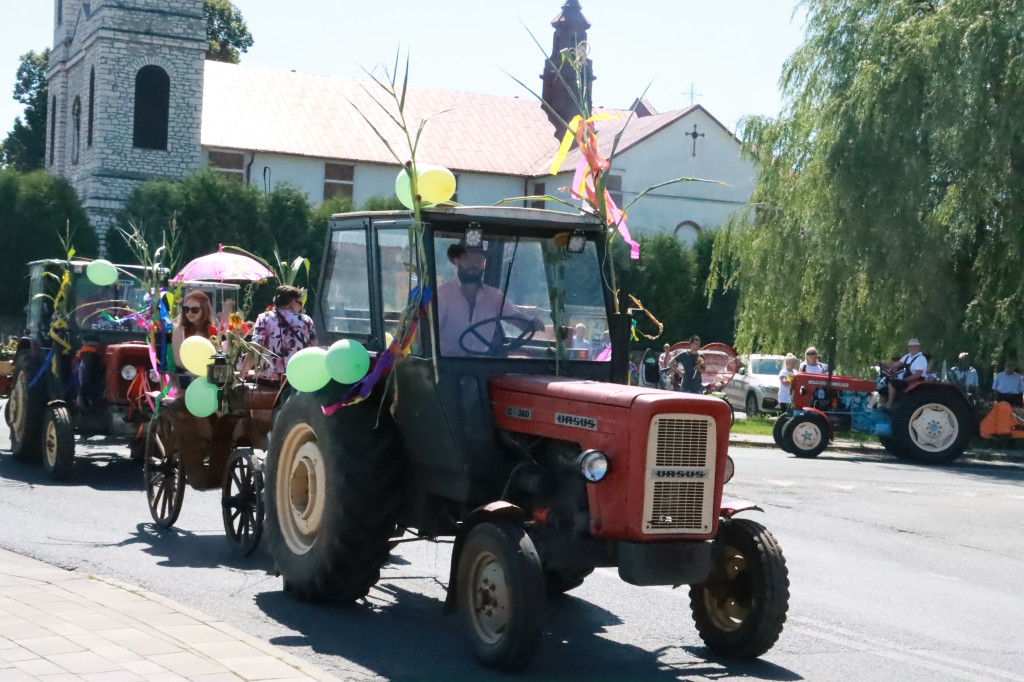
(731, 508)
(831, 430)
(498, 509)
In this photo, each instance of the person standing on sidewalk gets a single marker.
(1009, 385)
(786, 382)
(688, 365)
(964, 375)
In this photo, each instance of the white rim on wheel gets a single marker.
(806, 435)
(50, 444)
(723, 603)
(489, 598)
(934, 427)
(301, 488)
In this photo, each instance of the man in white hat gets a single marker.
(912, 368)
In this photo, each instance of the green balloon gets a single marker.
(347, 361)
(101, 272)
(307, 370)
(201, 398)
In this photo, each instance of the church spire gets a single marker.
(570, 30)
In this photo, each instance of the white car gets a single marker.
(755, 386)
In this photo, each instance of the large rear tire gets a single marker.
(931, 426)
(806, 435)
(501, 594)
(332, 492)
(26, 408)
(740, 609)
(58, 442)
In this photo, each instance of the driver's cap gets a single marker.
(913, 342)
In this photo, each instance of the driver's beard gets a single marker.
(471, 276)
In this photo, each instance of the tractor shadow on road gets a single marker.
(182, 548)
(100, 469)
(403, 635)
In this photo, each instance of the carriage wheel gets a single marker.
(242, 503)
(164, 473)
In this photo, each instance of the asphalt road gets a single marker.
(897, 572)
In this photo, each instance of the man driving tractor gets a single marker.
(909, 369)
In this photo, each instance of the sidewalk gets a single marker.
(59, 626)
(744, 440)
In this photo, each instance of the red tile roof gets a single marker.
(285, 112)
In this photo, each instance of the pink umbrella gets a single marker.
(224, 265)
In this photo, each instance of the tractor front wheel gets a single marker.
(741, 608)
(501, 594)
(780, 424)
(332, 492)
(58, 442)
(931, 427)
(806, 435)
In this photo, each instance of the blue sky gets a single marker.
(730, 50)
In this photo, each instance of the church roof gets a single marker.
(285, 112)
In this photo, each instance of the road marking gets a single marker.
(954, 667)
(783, 484)
(842, 487)
(906, 491)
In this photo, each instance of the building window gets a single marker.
(152, 105)
(539, 189)
(60, 12)
(76, 129)
(229, 164)
(53, 127)
(338, 180)
(614, 187)
(92, 97)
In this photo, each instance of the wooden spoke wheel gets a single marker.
(242, 503)
(164, 473)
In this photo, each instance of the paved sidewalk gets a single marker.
(58, 626)
(744, 440)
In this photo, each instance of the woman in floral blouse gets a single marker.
(283, 331)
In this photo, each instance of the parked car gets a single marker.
(755, 386)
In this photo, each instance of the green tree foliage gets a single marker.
(890, 192)
(24, 147)
(669, 281)
(35, 211)
(226, 31)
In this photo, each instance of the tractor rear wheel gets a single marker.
(501, 594)
(25, 409)
(806, 435)
(58, 442)
(332, 493)
(931, 426)
(741, 608)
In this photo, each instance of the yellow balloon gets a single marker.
(196, 352)
(388, 339)
(436, 184)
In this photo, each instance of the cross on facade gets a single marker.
(694, 135)
(693, 94)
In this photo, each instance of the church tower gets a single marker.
(126, 95)
(559, 79)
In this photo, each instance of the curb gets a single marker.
(983, 456)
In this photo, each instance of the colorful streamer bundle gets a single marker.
(588, 170)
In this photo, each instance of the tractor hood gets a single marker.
(574, 390)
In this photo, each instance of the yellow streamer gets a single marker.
(563, 149)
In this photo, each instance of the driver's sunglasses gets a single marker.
(194, 309)
(814, 354)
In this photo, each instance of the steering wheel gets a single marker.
(887, 372)
(499, 344)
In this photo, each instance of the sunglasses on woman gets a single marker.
(194, 309)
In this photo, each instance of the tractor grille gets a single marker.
(682, 442)
(680, 475)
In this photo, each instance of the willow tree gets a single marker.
(890, 192)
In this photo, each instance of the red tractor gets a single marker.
(537, 460)
(931, 421)
(89, 373)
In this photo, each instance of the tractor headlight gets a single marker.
(730, 469)
(154, 376)
(128, 372)
(593, 465)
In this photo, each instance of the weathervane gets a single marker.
(694, 94)
(694, 135)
